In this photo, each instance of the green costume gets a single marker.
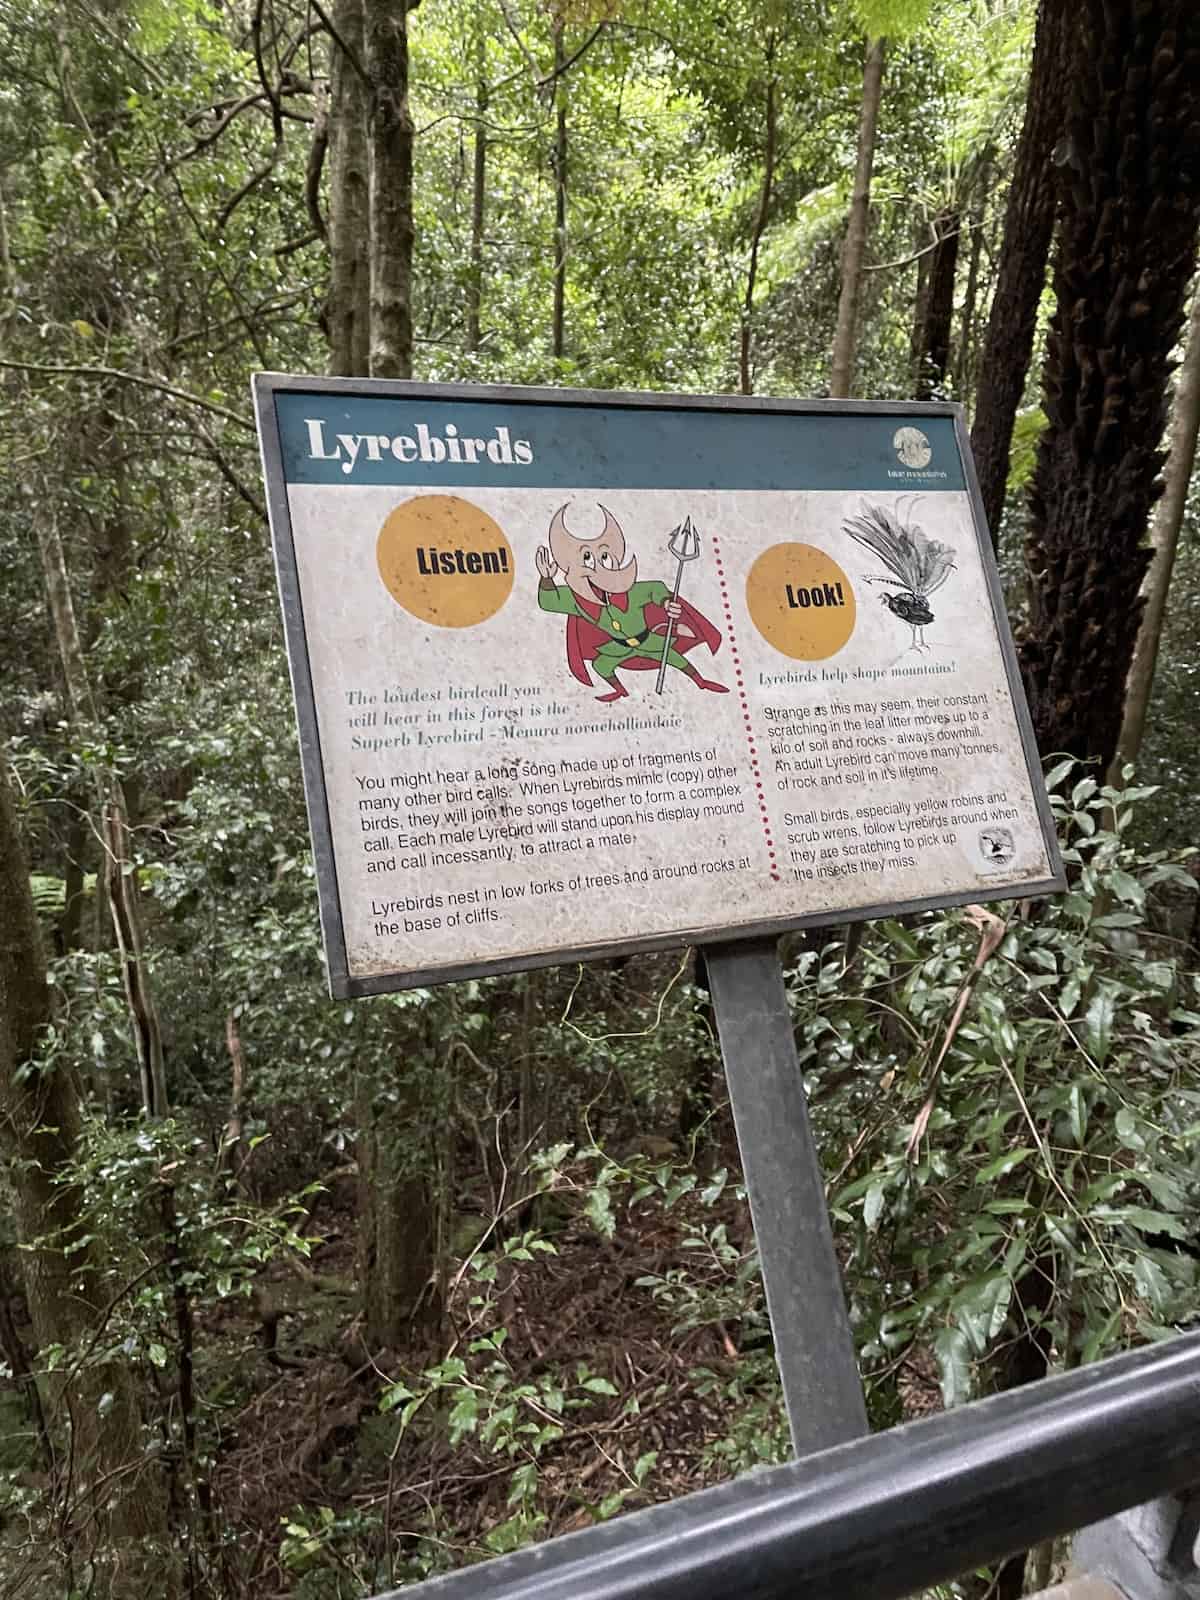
(631, 634)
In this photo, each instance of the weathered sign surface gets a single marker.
(578, 673)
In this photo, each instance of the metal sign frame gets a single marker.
(342, 984)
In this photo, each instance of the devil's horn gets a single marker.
(611, 524)
(558, 524)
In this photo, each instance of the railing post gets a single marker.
(1148, 1552)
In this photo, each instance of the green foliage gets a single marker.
(892, 19)
(151, 233)
(1057, 1144)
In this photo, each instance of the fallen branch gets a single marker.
(991, 932)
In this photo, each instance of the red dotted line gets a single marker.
(741, 689)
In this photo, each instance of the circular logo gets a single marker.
(445, 561)
(913, 448)
(801, 601)
(996, 846)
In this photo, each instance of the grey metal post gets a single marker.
(1150, 1551)
(803, 1282)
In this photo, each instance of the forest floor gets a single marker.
(308, 1431)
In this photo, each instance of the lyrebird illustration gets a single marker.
(921, 564)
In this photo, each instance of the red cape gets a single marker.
(692, 627)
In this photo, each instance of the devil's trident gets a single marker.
(684, 545)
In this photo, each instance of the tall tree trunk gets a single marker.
(397, 1226)
(39, 1134)
(920, 303)
(349, 306)
(964, 356)
(120, 874)
(478, 185)
(1021, 277)
(762, 212)
(1164, 541)
(933, 345)
(390, 147)
(1126, 251)
(557, 331)
(841, 378)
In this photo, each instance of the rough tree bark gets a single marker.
(39, 1135)
(559, 159)
(762, 213)
(120, 875)
(371, 239)
(479, 147)
(1164, 541)
(964, 357)
(1126, 251)
(390, 148)
(348, 312)
(841, 377)
(937, 322)
(397, 1232)
(1021, 276)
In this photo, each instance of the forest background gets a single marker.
(301, 1298)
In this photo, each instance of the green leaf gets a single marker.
(713, 1191)
(508, 1536)
(1039, 956)
(1144, 1220)
(394, 1395)
(902, 939)
(953, 1353)
(982, 1308)
(891, 19)
(1068, 996)
(644, 1465)
(600, 1212)
(873, 1205)
(1167, 1192)
(1058, 772)
(157, 1354)
(464, 1417)
(598, 1386)
(1098, 1023)
(1126, 888)
(1128, 1133)
(1004, 1164)
(1151, 1281)
(1077, 1114)
(1099, 1338)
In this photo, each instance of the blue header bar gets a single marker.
(338, 437)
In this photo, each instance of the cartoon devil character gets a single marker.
(613, 621)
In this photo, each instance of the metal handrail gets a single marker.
(887, 1515)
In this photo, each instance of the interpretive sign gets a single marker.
(582, 673)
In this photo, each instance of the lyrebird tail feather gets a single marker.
(921, 564)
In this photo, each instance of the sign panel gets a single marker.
(581, 673)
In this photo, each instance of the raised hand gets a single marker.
(545, 562)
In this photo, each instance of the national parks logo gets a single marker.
(912, 447)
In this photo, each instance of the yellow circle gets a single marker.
(445, 561)
(801, 601)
